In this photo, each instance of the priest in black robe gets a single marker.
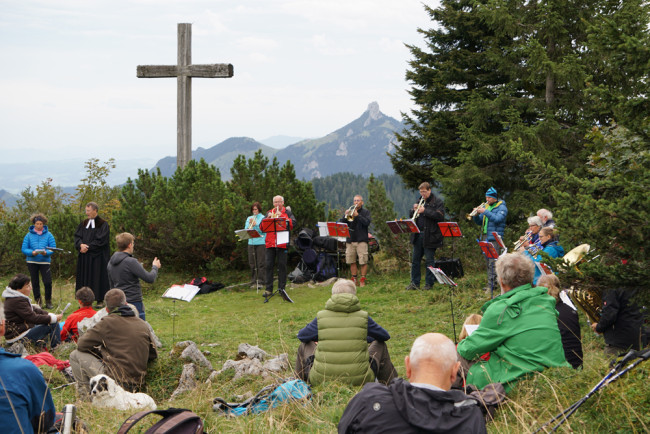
(92, 241)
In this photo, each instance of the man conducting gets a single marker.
(276, 246)
(119, 346)
(356, 247)
(519, 329)
(424, 404)
(125, 272)
(92, 241)
(491, 218)
(334, 346)
(430, 210)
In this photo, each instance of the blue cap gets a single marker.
(491, 193)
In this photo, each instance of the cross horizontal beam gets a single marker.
(217, 70)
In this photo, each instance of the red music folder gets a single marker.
(450, 229)
(488, 250)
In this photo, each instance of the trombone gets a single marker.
(416, 213)
(475, 210)
(348, 213)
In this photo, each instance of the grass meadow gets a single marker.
(220, 321)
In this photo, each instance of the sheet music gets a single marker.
(470, 328)
(182, 292)
(282, 237)
(322, 229)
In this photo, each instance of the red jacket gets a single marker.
(271, 237)
(69, 329)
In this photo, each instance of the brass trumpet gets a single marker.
(475, 211)
(251, 223)
(275, 213)
(416, 213)
(348, 213)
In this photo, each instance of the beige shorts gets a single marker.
(356, 250)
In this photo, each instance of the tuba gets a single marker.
(348, 213)
(421, 203)
(475, 210)
(588, 301)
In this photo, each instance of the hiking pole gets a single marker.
(573, 407)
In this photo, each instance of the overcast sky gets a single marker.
(303, 68)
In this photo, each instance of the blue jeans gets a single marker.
(418, 252)
(41, 331)
(140, 306)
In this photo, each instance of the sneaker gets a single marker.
(412, 286)
(362, 282)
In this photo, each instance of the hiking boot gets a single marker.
(267, 294)
(362, 282)
(48, 304)
(428, 287)
(412, 287)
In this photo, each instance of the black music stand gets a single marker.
(276, 225)
(443, 279)
(450, 230)
(180, 292)
(490, 253)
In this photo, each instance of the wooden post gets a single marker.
(184, 71)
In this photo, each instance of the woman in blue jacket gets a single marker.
(548, 240)
(35, 245)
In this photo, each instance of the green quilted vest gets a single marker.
(342, 351)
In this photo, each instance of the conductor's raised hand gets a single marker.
(156, 263)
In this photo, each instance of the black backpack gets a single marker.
(326, 267)
(174, 421)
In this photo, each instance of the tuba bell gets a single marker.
(588, 301)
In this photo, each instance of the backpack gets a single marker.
(269, 397)
(326, 267)
(174, 421)
(205, 285)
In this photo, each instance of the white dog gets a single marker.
(105, 392)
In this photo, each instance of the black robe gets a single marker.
(91, 266)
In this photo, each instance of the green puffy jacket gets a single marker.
(519, 330)
(342, 351)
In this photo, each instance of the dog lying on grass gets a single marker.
(106, 393)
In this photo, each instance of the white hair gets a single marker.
(543, 212)
(281, 198)
(535, 221)
(344, 286)
(515, 269)
(442, 354)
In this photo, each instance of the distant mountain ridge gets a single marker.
(359, 147)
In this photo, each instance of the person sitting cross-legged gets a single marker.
(334, 346)
(519, 329)
(423, 404)
(119, 346)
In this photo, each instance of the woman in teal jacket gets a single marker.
(35, 248)
(548, 240)
(256, 247)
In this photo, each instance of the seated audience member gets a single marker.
(27, 321)
(519, 329)
(334, 346)
(423, 404)
(125, 272)
(85, 296)
(548, 239)
(472, 320)
(621, 322)
(567, 322)
(119, 346)
(25, 401)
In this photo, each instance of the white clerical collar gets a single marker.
(91, 224)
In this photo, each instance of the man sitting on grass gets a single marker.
(335, 344)
(85, 296)
(119, 346)
(424, 404)
(519, 329)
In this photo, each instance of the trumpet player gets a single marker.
(256, 247)
(532, 234)
(356, 246)
(277, 249)
(491, 218)
(427, 213)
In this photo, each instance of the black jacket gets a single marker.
(621, 320)
(434, 212)
(569, 326)
(403, 408)
(358, 227)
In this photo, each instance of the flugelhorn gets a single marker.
(275, 213)
(527, 236)
(251, 223)
(416, 213)
(475, 210)
(348, 213)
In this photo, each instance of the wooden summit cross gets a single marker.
(184, 71)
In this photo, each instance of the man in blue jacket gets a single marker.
(491, 219)
(25, 401)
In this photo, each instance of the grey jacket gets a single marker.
(125, 272)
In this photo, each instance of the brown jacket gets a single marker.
(122, 341)
(21, 315)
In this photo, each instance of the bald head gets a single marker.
(433, 360)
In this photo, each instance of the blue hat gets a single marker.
(491, 193)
